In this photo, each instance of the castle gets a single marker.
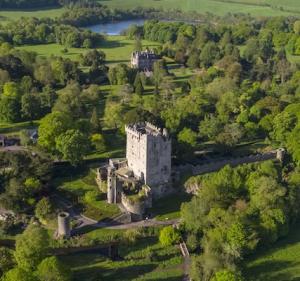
(144, 174)
(144, 60)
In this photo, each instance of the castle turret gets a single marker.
(280, 153)
(111, 185)
(64, 228)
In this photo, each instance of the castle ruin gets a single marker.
(144, 173)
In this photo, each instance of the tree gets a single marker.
(95, 121)
(31, 247)
(210, 127)
(113, 115)
(138, 85)
(169, 236)
(43, 209)
(51, 269)
(227, 275)
(297, 27)
(98, 141)
(52, 126)
(209, 54)
(6, 259)
(72, 145)
(159, 72)
(31, 106)
(32, 185)
(138, 46)
(188, 136)
(18, 274)
(9, 108)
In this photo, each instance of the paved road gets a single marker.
(143, 223)
(83, 221)
(13, 148)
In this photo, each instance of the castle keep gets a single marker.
(143, 174)
(148, 154)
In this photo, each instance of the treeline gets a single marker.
(28, 84)
(236, 94)
(45, 31)
(236, 211)
(36, 4)
(28, 4)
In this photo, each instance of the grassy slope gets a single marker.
(202, 6)
(281, 262)
(6, 16)
(133, 266)
(216, 7)
(117, 48)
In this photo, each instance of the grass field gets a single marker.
(281, 262)
(133, 265)
(6, 16)
(219, 7)
(117, 49)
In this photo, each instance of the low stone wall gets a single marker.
(137, 208)
(218, 164)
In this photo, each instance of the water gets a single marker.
(114, 28)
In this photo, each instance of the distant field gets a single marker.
(281, 262)
(219, 7)
(6, 16)
(117, 48)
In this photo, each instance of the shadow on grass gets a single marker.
(270, 271)
(169, 204)
(117, 61)
(113, 44)
(117, 274)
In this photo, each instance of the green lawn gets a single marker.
(6, 16)
(133, 266)
(78, 185)
(118, 49)
(275, 8)
(219, 7)
(280, 263)
(14, 128)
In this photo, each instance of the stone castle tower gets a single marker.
(148, 154)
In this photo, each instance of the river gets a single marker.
(114, 28)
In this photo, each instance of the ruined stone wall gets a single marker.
(137, 207)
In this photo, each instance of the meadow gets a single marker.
(219, 7)
(118, 49)
(281, 262)
(6, 16)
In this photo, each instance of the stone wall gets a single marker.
(137, 207)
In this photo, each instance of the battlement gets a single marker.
(148, 54)
(146, 128)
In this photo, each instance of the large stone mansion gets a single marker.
(144, 173)
(144, 60)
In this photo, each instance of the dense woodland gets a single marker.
(246, 88)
